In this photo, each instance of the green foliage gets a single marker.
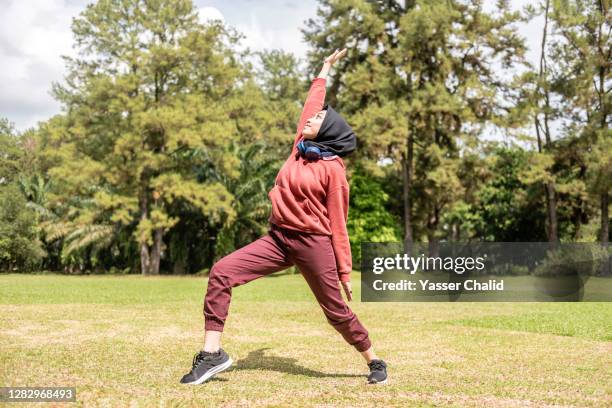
(279, 77)
(10, 152)
(571, 261)
(20, 248)
(599, 157)
(251, 202)
(369, 218)
(507, 210)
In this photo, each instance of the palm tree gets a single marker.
(80, 240)
(250, 190)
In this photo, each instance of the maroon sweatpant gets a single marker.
(279, 249)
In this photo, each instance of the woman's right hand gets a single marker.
(331, 60)
(348, 290)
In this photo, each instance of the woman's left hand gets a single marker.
(347, 289)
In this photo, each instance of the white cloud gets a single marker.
(33, 35)
(210, 13)
(260, 37)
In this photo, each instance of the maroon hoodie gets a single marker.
(313, 196)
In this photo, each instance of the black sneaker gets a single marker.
(206, 365)
(378, 372)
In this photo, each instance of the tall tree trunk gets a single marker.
(145, 259)
(549, 187)
(579, 213)
(551, 207)
(604, 69)
(158, 235)
(455, 232)
(145, 252)
(605, 220)
(407, 175)
(432, 228)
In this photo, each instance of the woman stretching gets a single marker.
(307, 228)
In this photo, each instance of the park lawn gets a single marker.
(127, 340)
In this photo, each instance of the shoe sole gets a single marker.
(212, 372)
(379, 382)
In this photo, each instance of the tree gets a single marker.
(11, 154)
(149, 84)
(582, 78)
(20, 248)
(507, 208)
(250, 191)
(284, 88)
(419, 88)
(543, 103)
(369, 219)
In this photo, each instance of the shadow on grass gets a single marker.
(256, 360)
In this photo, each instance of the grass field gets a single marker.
(126, 341)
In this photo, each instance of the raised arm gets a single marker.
(316, 94)
(314, 103)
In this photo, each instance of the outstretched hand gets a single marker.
(331, 60)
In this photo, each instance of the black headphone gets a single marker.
(312, 152)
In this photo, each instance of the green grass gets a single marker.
(589, 321)
(126, 341)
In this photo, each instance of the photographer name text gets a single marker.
(427, 285)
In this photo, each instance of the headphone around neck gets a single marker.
(312, 152)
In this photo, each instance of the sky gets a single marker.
(34, 34)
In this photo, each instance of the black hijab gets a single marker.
(335, 135)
